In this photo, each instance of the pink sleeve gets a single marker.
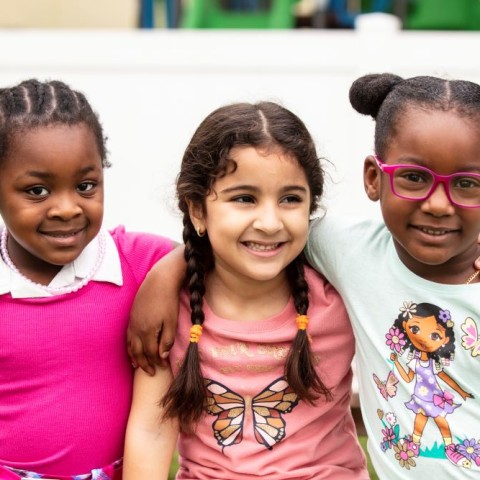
(140, 250)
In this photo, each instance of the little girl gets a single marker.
(422, 418)
(426, 175)
(262, 356)
(66, 289)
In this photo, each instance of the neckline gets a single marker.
(74, 287)
(277, 321)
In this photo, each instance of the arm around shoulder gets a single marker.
(150, 439)
(155, 310)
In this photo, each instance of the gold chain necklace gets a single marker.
(472, 277)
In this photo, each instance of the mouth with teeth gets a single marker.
(436, 232)
(261, 247)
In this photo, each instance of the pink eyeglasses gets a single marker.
(413, 182)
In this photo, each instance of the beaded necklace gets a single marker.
(55, 290)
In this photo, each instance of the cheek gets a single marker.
(299, 227)
(471, 220)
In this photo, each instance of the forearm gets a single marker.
(168, 273)
(154, 312)
(150, 439)
(147, 454)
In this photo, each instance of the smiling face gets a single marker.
(425, 333)
(51, 197)
(433, 238)
(257, 217)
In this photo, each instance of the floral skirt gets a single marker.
(110, 472)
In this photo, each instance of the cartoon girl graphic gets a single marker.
(428, 335)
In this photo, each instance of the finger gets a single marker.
(166, 340)
(146, 365)
(134, 348)
(129, 346)
(139, 358)
(477, 263)
(150, 347)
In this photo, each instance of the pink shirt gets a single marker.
(244, 362)
(65, 378)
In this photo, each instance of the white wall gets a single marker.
(152, 88)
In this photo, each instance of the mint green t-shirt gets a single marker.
(381, 295)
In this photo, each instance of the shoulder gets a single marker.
(332, 237)
(128, 242)
(322, 292)
(344, 226)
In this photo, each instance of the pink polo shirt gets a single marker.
(65, 378)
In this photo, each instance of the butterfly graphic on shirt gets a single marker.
(267, 409)
(471, 340)
(388, 387)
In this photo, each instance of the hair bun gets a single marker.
(367, 93)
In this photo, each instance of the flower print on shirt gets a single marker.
(425, 332)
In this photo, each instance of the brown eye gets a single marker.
(37, 191)
(85, 186)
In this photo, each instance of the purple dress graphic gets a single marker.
(428, 398)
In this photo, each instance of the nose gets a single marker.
(268, 219)
(64, 206)
(438, 203)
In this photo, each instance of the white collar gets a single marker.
(110, 271)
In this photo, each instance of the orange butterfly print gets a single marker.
(267, 409)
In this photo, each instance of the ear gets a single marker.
(195, 210)
(371, 178)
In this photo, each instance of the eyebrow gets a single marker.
(251, 188)
(414, 162)
(47, 175)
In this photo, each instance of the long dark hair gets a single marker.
(206, 159)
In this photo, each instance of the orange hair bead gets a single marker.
(195, 333)
(302, 322)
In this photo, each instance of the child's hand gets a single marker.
(148, 324)
(466, 395)
(393, 357)
(153, 319)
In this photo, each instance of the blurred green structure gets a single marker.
(246, 14)
(443, 15)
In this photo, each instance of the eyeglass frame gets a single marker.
(445, 179)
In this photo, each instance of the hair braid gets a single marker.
(207, 158)
(299, 367)
(186, 396)
(32, 104)
(40, 100)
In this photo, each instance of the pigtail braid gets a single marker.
(299, 368)
(186, 396)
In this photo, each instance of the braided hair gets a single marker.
(32, 104)
(386, 97)
(260, 125)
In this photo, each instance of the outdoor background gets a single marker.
(154, 70)
(152, 86)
